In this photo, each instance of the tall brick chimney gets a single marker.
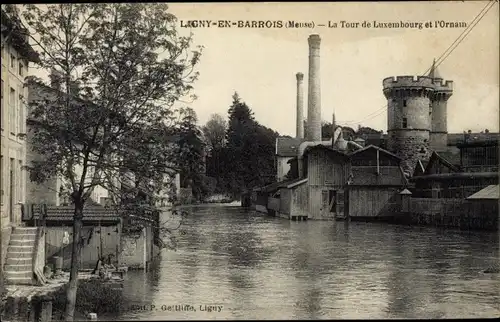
(314, 91)
(300, 106)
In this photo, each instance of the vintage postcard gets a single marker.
(238, 161)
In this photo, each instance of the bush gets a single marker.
(92, 296)
(3, 292)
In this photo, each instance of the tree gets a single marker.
(131, 66)
(249, 152)
(191, 153)
(215, 132)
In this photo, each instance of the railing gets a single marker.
(39, 249)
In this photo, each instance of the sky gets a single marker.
(260, 63)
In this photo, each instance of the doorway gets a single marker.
(332, 201)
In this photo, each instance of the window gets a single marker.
(404, 103)
(12, 110)
(12, 61)
(20, 182)
(1, 175)
(21, 69)
(22, 121)
(12, 190)
(405, 122)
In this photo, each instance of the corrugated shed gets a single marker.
(420, 168)
(490, 192)
(456, 138)
(388, 176)
(453, 157)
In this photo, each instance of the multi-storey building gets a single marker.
(16, 54)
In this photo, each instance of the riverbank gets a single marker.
(215, 204)
(21, 301)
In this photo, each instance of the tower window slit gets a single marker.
(405, 122)
(404, 103)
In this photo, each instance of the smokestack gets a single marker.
(333, 122)
(333, 129)
(300, 106)
(314, 91)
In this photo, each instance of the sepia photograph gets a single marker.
(249, 161)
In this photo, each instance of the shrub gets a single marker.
(3, 292)
(92, 296)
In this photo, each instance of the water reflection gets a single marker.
(260, 267)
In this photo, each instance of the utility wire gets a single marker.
(444, 58)
(471, 25)
(466, 31)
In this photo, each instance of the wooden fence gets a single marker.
(96, 240)
(457, 213)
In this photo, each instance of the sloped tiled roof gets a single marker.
(296, 182)
(18, 39)
(490, 192)
(90, 213)
(433, 71)
(287, 146)
(277, 185)
(324, 147)
(442, 160)
(420, 167)
(452, 158)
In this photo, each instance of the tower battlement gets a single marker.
(408, 82)
(441, 85)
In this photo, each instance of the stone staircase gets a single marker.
(18, 268)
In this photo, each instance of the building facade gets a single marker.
(376, 182)
(327, 172)
(442, 180)
(53, 191)
(16, 55)
(286, 149)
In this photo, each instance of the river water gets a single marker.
(233, 263)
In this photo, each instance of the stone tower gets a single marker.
(300, 106)
(439, 100)
(409, 117)
(314, 91)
